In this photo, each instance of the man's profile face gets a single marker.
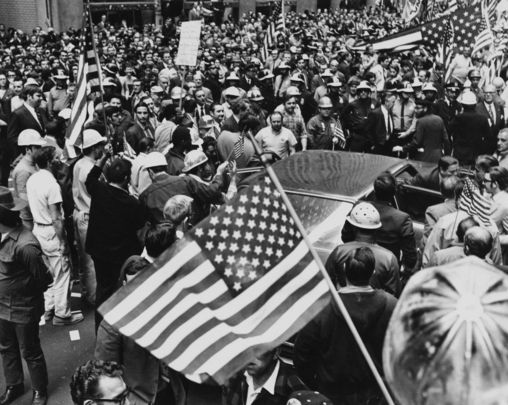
(142, 114)
(502, 142)
(261, 364)
(451, 171)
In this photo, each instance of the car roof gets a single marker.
(337, 173)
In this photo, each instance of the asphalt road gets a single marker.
(65, 348)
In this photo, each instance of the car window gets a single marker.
(323, 219)
(415, 200)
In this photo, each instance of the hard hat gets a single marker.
(297, 77)
(177, 92)
(468, 98)
(156, 89)
(474, 73)
(354, 80)
(417, 83)
(498, 82)
(308, 398)
(335, 82)
(283, 65)
(364, 85)
(255, 95)
(327, 73)
(267, 74)
(429, 87)
(91, 137)
(65, 113)
(206, 121)
(364, 215)
(194, 159)
(325, 102)
(233, 76)
(489, 88)
(30, 137)
(31, 82)
(232, 91)
(154, 159)
(407, 88)
(292, 91)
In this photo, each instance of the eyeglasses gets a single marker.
(120, 398)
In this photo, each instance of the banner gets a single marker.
(188, 46)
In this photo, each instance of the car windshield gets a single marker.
(323, 219)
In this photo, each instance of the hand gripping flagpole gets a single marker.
(335, 295)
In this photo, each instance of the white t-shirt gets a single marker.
(80, 194)
(42, 190)
(278, 143)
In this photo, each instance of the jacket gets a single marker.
(23, 277)
(467, 131)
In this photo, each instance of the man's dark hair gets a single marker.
(424, 103)
(140, 104)
(145, 144)
(85, 380)
(44, 156)
(110, 110)
(384, 187)
(500, 175)
(360, 266)
(485, 162)
(448, 186)
(478, 241)
(118, 171)
(114, 95)
(169, 112)
(9, 218)
(159, 237)
(133, 265)
(248, 122)
(464, 225)
(445, 162)
(30, 90)
(181, 135)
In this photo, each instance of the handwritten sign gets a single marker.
(188, 46)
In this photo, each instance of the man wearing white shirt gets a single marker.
(93, 149)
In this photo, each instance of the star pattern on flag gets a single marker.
(465, 23)
(249, 242)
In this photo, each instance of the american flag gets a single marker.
(486, 38)
(466, 26)
(277, 26)
(238, 147)
(87, 82)
(240, 283)
(339, 133)
(475, 203)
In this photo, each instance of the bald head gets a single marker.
(477, 242)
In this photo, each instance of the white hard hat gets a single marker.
(193, 158)
(468, 98)
(364, 215)
(30, 137)
(65, 113)
(232, 91)
(31, 82)
(154, 159)
(91, 137)
(429, 87)
(292, 91)
(364, 85)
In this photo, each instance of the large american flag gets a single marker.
(277, 26)
(240, 283)
(87, 82)
(475, 203)
(465, 23)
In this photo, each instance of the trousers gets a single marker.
(86, 265)
(57, 296)
(18, 340)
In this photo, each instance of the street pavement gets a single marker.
(65, 348)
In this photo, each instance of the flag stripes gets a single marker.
(276, 26)
(339, 133)
(241, 282)
(88, 81)
(475, 203)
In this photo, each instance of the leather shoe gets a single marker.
(11, 393)
(40, 398)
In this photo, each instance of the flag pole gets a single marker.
(97, 61)
(336, 297)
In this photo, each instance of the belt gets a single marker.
(39, 224)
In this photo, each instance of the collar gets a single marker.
(351, 289)
(29, 108)
(14, 234)
(269, 384)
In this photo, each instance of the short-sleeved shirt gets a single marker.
(79, 192)
(43, 190)
(20, 175)
(278, 143)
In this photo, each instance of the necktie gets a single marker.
(491, 112)
(402, 117)
(41, 122)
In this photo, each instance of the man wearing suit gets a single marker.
(265, 381)
(467, 131)
(249, 80)
(28, 116)
(446, 167)
(202, 107)
(396, 233)
(447, 107)
(380, 125)
(495, 116)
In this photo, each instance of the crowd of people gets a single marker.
(164, 145)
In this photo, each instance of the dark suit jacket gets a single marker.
(467, 131)
(447, 111)
(230, 125)
(286, 383)
(21, 119)
(133, 135)
(432, 136)
(246, 86)
(490, 139)
(197, 115)
(376, 127)
(430, 181)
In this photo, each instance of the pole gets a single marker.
(99, 70)
(335, 295)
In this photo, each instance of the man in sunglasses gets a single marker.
(99, 383)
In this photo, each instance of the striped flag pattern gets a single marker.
(339, 133)
(87, 82)
(475, 203)
(486, 38)
(277, 26)
(238, 147)
(240, 283)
